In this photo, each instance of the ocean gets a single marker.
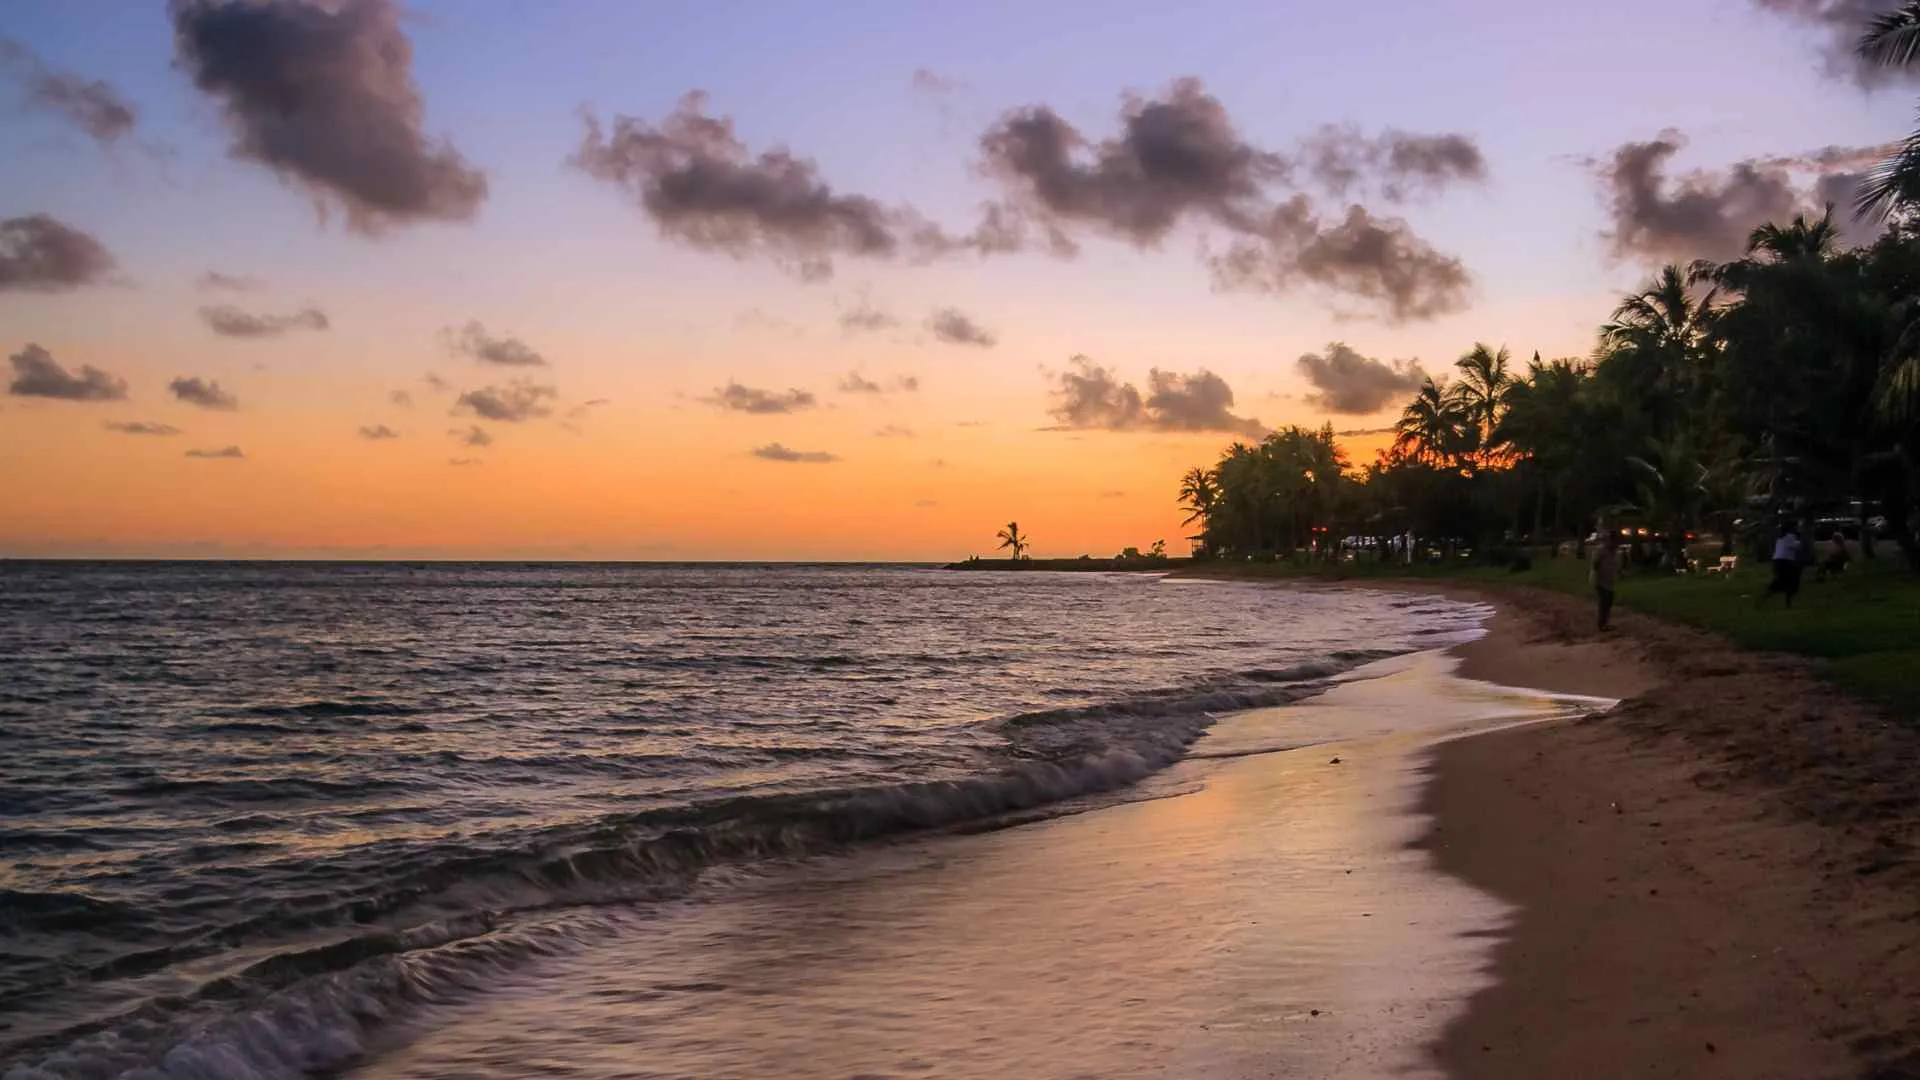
(277, 820)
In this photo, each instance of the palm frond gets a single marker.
(1893, 183)
(1892, 39)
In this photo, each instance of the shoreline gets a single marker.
(1717, 878)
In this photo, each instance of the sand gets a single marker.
(1716, 880)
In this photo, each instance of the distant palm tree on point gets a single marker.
(1011, 537)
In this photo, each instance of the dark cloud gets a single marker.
(141, 427)
(88, 104)
(378, 431)
(40, 254)
(36, 374)
(1397, 164)
(1357, 432)
(1179, 159)
(855, 383)
(865, 318)
(229, 321)
(472, 436)
(1656, 216)
(748, 399)
(894, 431)
(224, 452)
(1840, 24)
(437, 384)
(216, 281)
(778, 452)
(1091, 396)
(201, 392)
(1347, 383)
(513, 403)
(703, 187)
(324, 95)
(472, 340)
(401, 398)
(955, 328)
(1175, 157)
(1379, 260)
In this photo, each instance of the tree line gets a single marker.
(1720, 400)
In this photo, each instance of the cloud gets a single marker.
(207, 395)
(216, 281)
(40, 254)
(141, 427)
(865, 318)
(1379, 260)
(472, 436)
(935, 85)
(778, 452)
(1349, 384)
(1708, 213)
(704, 188)
(323, 94)
(1840, 23)
(756, 319)
(1352, 433)
(472, 340)
(1397, 164)
(1091, 396)
(437, 384)
(229, 321)
(88, 104)
(513, 403)
(36, 374)
(855, 383)
(401, 398)
(223, 453)
(956, 328)
(1113, 494)
(379, 431)
(926, 503)
(748, 399)
(894, 431)
(463, 462)
(1179, 159)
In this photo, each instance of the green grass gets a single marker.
(1862, 629)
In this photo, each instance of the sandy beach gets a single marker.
(1715, 880)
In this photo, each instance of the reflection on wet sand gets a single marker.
(1272, 923)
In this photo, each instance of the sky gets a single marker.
(591, 279)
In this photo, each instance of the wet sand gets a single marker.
(1267, 915)
(1716, 880)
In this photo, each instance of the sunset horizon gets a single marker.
(548, 303)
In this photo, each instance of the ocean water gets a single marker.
(257, 818)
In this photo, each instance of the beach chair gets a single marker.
(1728, 563)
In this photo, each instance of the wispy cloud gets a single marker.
(377, 431)
(778, 452)
(957, 328)
(90, 105)
(514, 403)
(141, 427)
(205, 393)
(229, 321)
(473, 341)
(223, 453)
(734, 397)
(474, 435)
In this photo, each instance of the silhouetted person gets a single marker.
(1606, 575)
(1838, 555)
(1786, 565)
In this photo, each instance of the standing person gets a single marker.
(1786, 565)
(1606, 574)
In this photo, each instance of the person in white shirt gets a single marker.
(1786, 565)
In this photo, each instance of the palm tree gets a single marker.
(1198, 493)
(1657, 342)
(1010, 537)
(1430, 428)
(1893, 40)
(1481, 398)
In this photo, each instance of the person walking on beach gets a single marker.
(1786, 565)
(1606, 575)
